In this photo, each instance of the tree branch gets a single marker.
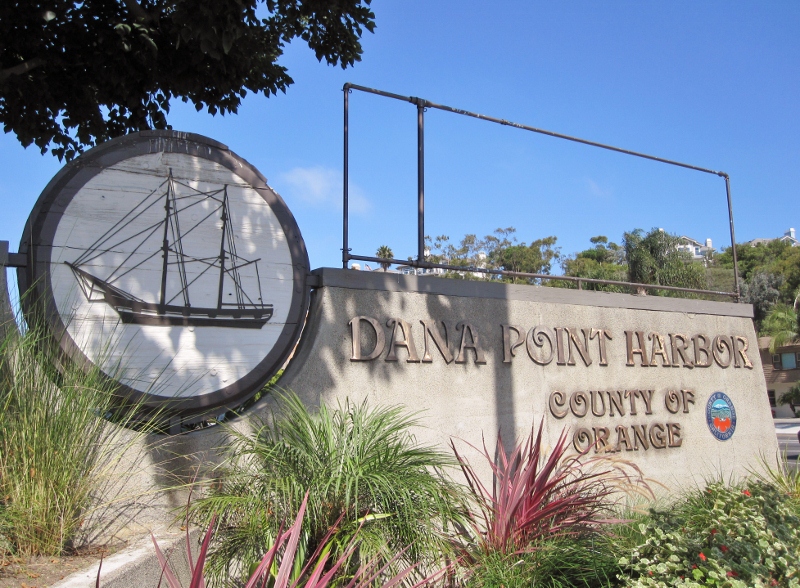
(21, 68)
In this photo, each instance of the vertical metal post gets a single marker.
(222, 248)
(346, 178)
(165, 244)
(420, 181)
(733, 239)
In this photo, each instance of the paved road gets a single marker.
(787, 430)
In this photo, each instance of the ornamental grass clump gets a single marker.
(365, 475)
(55, 445)
(542, 522)
(730, 536)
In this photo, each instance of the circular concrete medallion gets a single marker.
(721, 416)
(166, 260)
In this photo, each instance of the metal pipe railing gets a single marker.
(579, 281)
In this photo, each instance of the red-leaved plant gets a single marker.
(320, 576)
(536, 496)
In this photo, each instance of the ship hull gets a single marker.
(133, 311)
(198, 317)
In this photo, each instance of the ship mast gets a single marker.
(165, 243)
(222, 245)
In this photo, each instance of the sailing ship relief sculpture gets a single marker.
(166, 260)
(246, 310)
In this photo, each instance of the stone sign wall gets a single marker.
(673, 385)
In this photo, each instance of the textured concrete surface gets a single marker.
(469, 400)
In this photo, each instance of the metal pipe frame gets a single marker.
(421, 262)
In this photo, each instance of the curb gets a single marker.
(137, 566)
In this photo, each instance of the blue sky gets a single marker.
(715, 84)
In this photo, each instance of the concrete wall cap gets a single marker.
(392, 282)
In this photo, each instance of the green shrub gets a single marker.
(586, 561)
(726, 536)
(365, 475)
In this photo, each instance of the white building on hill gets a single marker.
(789, 236)
(696, 249)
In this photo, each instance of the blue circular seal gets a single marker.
(721, 416)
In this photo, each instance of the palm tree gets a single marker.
(654, 258)
(385, 252)
(782, 325)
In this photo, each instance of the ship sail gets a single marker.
(173, 306)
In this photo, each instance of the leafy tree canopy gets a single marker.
(73, 74)
(587, 267)
(603, 251)
(604, 261)
(762, 290)
(777, 258)
(501, 250)
(792, 398)
(653, 258)
(536, 258)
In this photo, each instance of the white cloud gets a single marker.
(596, 190)
(321, 187)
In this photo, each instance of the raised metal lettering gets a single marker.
(429, 329)
(355, 333)
(704, 348)
(509, 348)
(536, 339)
(658, 349)
(579, 346)
(473, 343)
(407, 341)
(722, 351)
(557, 401)
(679, 351)
(641, 350)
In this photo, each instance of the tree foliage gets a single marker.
(73, 74)
(782, 324)
(604, 261)
(385, 252)
(792, 398)
(536, 258)
(500, 250)
(653, 258)
(762, 290)
(776, 257)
